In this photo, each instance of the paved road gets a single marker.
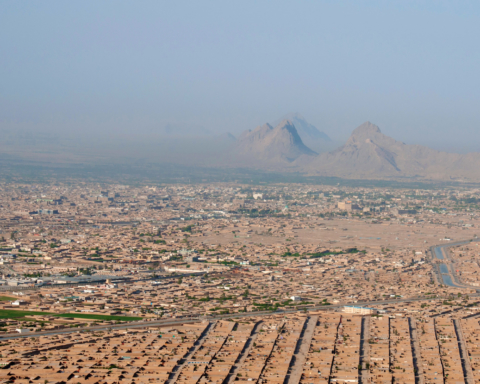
(156, 323)
(441, 252)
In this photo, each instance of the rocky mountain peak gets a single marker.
(366, 129)
(267, 143)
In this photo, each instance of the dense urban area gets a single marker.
(233, 283)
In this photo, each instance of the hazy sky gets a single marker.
(411, 67)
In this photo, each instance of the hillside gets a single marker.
(269, 145)
(311, 136)
(369, 153)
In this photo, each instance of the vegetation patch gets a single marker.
(14, 314)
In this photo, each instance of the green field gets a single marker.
(13, 314)
(7, 298)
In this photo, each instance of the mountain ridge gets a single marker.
(311, 136)
(368, 153)
(279, 144)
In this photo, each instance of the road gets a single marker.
(193, 319)
(301, 351)
(365, 351)
(445, 271)
(416, 353)
(156, 323)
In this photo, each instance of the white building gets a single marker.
(359, 310)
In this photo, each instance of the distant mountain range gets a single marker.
(368, 153)
(291, 145)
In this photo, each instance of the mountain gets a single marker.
(266, 144)
(310, 135)
(369, 153)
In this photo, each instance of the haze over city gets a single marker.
(116, 68)
(239, 192)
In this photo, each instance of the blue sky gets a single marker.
(411, 67)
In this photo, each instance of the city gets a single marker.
(239, 192)
(229, 283)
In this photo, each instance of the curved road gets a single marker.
(445, 270)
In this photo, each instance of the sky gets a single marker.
(410, 67)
